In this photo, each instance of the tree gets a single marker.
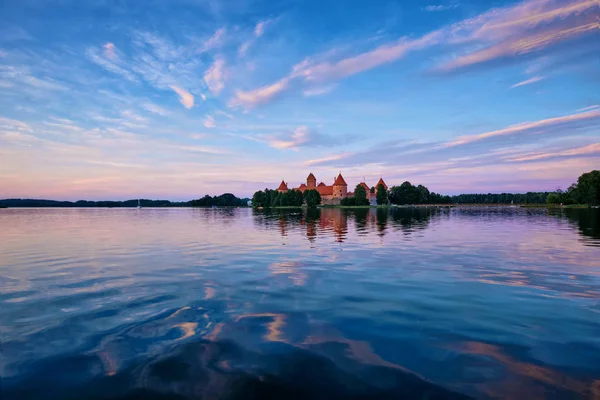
(360, 196)
(298, 198)
(588, 188)
(423, 194)
(259, 199)
(348, 201)
(276, 201)
(312, 197)
(553, 198)
(382, 195)
(404, 194)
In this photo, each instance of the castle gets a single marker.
(331, 194)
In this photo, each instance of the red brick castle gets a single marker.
(334, 193)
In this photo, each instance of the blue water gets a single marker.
(325, 304)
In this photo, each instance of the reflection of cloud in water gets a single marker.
(291, 269)
(523, 378)
(274, 327)
(188, 329)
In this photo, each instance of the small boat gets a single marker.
(139, 205)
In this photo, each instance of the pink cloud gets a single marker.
(185, 97)
(525, 126)
(328, 159)
(259, 96)
(215, 75)
(209, 122)
(110, 50)
(513, 31)
(592, 149)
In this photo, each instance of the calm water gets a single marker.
(243, 304)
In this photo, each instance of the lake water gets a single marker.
(327, 304)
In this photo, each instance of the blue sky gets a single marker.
(104, 99)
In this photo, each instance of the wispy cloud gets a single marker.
(215, 75)
(589, 108)
(301, 136)
(155, 109)
(259, 29)
(440, 7)
(329, 159)
(259, 96)
(499, 34)
(528, 81)
(318, 91)
(110, 61)
(589, 150)
(209, 121)
(185, 97)
(110, 50)
(214, 41)
(527, 126)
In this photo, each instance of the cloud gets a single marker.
(318, 91)
(592, 149)
(209, 121)
(110, 50)
(214, 41)
(528, 81)
(185, 97)
(440, 7)
(594, 107)
(110, 62)
(513, 144)
(153, 108)
(507, 33)
(130, 115)
(214, 76)
(302, 136)
(527, 126)
(259, 96)
(326, 160)
(243, 49)
(259, 29)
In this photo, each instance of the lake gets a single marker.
(414, 303)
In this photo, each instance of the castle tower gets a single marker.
(282, 187)
(311, 181)
(381, 182)
(340, 187)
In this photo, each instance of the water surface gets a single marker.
(238, 303)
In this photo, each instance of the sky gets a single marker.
(177, 99)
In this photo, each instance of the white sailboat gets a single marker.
(139, 205)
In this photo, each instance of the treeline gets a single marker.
(224, 200)
(406, 193)
(89, 203)
(501, 198)
(585, 191)
(292, 198)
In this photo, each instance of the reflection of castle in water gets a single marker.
(336, 223)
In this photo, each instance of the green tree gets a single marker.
(298, 198)
(348, 201)
(360, 196)
(423, 194)
(276, 201)
(259, 199)
(404, 194)
(382, 195)
(588, 188)
(312, 197)
(553, 198)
